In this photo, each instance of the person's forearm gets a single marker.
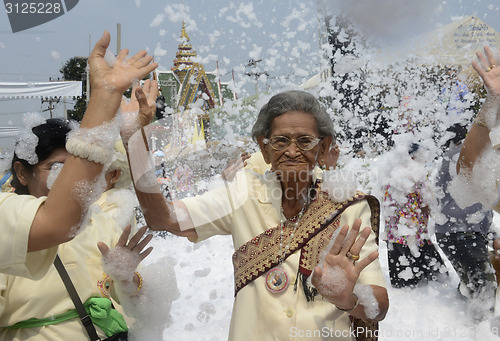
(382, 298)
(63, 209)
(478, 136)
(102, 107)
(476, 141)
(158, 212)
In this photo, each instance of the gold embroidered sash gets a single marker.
(317, 226)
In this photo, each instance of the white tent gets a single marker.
(18, 98)
(37, 89)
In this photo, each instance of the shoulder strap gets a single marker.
(84, 317)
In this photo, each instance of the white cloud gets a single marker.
(245, 10)
(255, 53)
(157, 20)
(55, 55)
(159, 51)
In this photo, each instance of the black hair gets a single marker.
(414, 147)
(51, 136)
(460, 134)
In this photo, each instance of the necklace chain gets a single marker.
(283, 223)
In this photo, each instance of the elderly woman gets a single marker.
(282, 225)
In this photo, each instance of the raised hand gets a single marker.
(234, 166)
(121, 262)
(336, 279)
(489, 70)
(141, 107)
(122, 74)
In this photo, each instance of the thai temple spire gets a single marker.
(182, 61)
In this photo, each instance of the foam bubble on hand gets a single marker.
(110, 58)
(151, 318)
(333, 281)
(367, 299)
(120, 264)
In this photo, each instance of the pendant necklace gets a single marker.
(277, 279)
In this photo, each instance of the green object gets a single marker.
(109, 320)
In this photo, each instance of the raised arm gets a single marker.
(61, 213)
(159, 213)
(478, 136)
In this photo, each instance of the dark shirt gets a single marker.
(458, 219)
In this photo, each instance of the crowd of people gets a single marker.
(306, 246)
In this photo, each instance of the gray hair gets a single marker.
(293, 100)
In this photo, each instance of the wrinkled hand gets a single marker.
(234, 166)
(119, 77)
(336, 279)
(139, 110)
(488, 69)
(121, 261)
(142, 100)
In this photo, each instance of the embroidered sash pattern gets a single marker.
(260, 254)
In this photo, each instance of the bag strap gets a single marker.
(84, 317)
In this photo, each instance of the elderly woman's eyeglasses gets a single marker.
(304, 143)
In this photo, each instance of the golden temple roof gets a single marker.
(182, 61)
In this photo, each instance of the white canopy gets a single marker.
(18, 98)
(11, 90)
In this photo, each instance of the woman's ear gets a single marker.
(21, 173)
(264, 149)
(324, 149)
(112, 177)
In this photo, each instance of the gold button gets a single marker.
(289, 312)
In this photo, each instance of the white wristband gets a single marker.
(94, 144)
